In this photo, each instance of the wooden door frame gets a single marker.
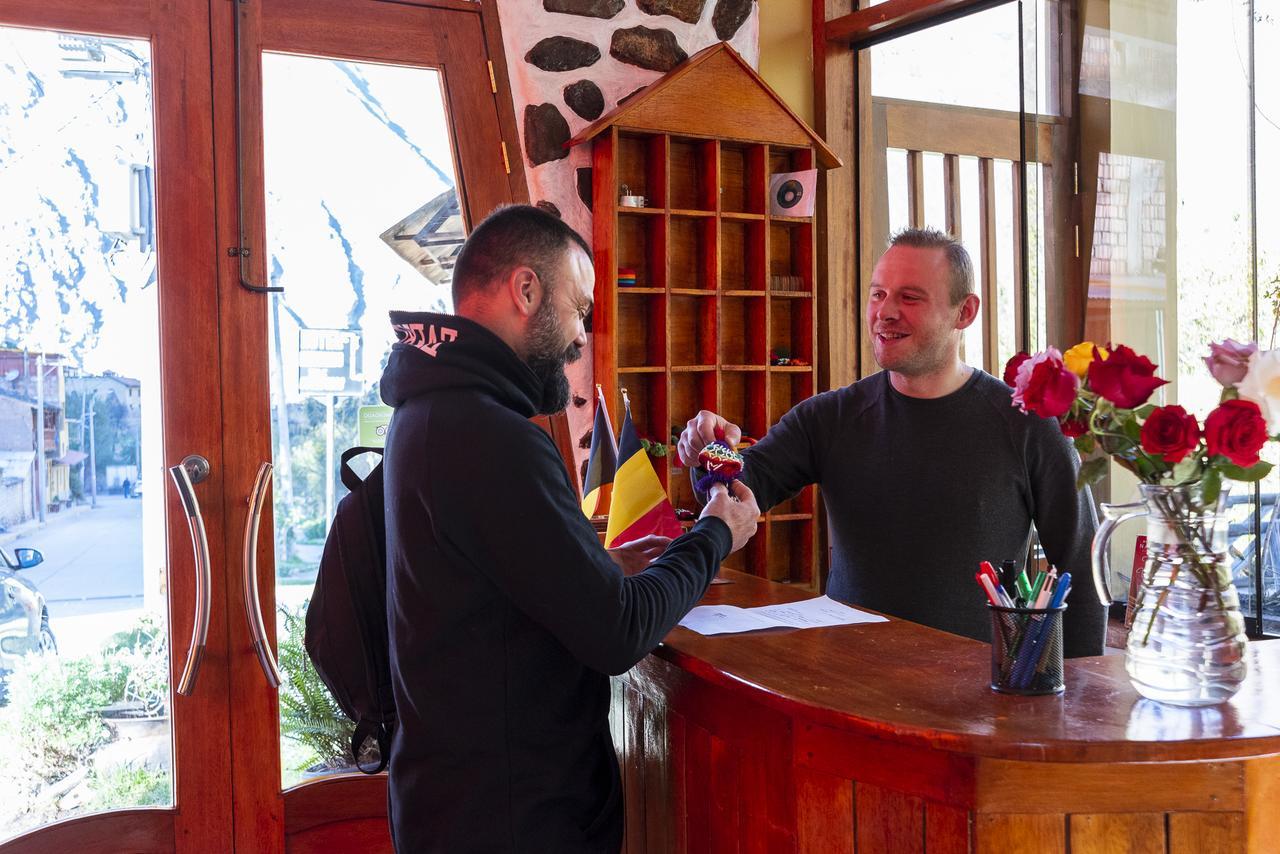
(330, 813)
(189, 333)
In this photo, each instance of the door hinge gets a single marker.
(506, 161)
(1077, 241)
(237, 251)
(493, 83)
(1075, 180)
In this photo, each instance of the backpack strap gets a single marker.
(350, 479)
(365, 730)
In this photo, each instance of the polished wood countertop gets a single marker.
(913, 685)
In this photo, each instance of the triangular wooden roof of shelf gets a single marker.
(747, 106)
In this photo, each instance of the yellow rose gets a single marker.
(1077, 359)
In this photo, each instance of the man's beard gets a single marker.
(547, 359)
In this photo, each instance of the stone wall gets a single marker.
(571, 61)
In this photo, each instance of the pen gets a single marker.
(1024, 586)
(1037, 586)
(990, 589)
(1009, 576)
(1063, 588)
(1046, 592)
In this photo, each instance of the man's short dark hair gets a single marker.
(957, 256)
(509, 237)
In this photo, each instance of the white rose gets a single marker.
(1261, 384)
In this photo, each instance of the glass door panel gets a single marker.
(109, 310)
(84, 656)
(362, 217)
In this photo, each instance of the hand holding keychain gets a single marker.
(721, 462)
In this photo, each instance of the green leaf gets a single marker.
(1145, 412)
(1091, 472)
(1210, 486)
(1187, 471)
(1085, 444)
(1130, 426)
(1252, 474)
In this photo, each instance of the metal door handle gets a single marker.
(192, 470)
(252, 604)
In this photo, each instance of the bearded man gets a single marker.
(926, 468)
(505, 614)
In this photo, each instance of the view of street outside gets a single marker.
(91, 576)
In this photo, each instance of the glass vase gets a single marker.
(1186, 645)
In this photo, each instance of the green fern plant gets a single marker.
(308, 713)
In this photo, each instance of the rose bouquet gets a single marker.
(1100, 397)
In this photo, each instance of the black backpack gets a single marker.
(346, 632)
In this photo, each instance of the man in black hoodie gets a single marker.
(505, 612)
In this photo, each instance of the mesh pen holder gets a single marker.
(1026, 650)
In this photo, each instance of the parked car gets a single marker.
(24, 617)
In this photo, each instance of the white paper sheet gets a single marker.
(808, 614)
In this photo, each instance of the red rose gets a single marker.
(1170, 432)
(1044, 386)
(1124, 378)
(1011, 368)
(1236, 431)
(1074, 427)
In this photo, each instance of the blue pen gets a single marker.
(1026, 669)
(1060, 592)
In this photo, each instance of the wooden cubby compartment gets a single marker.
(642, 325)
(648, 392)
(692, 177)
(786, 389)
(742, 259)
(791, 257)
(692, 330)
(791, 328)
(642, 168)
(642, 247)
(783, 159)
(691, 391)
(742, 320)
(742, 178)
(692, 253)
(743, 402)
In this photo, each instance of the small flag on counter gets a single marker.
(602, 464)
(640, 506)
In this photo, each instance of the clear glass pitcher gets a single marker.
(1186, 645)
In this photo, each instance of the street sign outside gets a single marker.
(327, 362)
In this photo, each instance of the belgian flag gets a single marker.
(640, 505)
(602, 464)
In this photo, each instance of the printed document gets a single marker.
(809, 614)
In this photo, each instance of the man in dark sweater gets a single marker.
(505, 612)
(926, 468)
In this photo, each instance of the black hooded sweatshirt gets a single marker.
(505, 613)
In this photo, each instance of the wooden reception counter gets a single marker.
(886, 737)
